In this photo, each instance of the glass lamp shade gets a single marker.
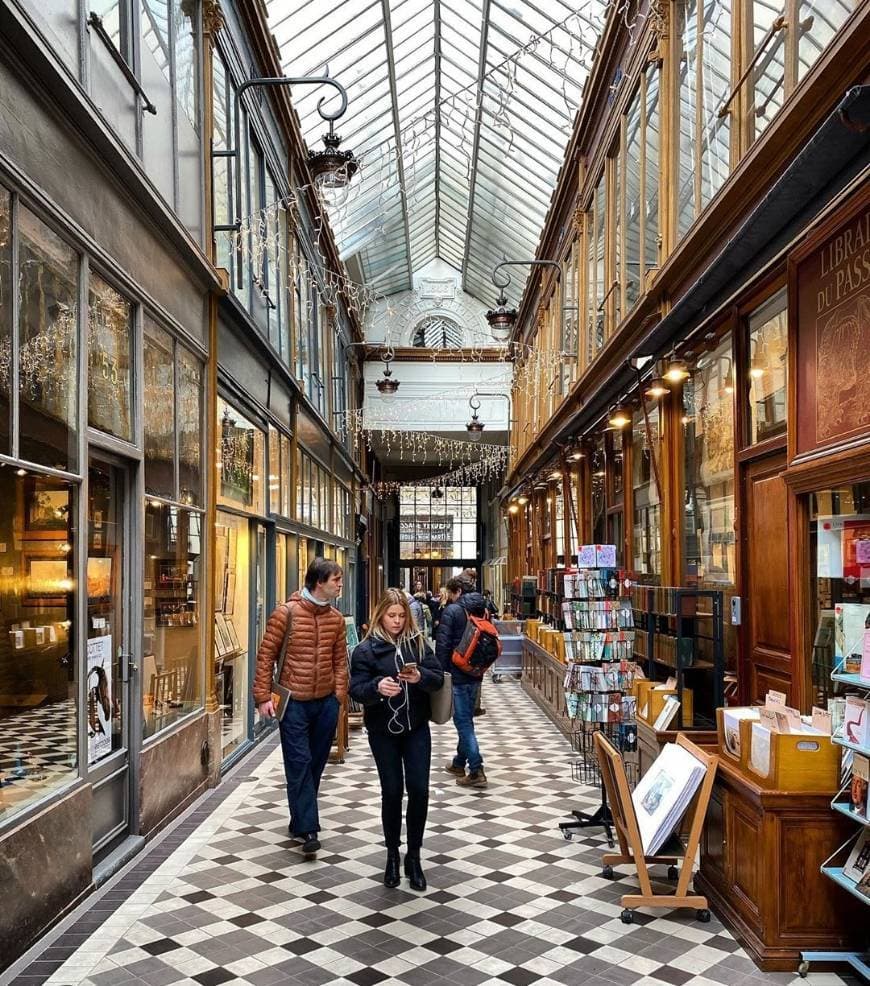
(501, 321)
(677, 371)
(620, 417)
(331, 167)
(656, 388)
(475, 429)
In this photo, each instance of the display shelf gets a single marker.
(857, 960)
(851, 679)
(863, 750)
(843, 808)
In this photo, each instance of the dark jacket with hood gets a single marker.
(450, 631)
(374, 660)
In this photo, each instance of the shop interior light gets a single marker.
(387, 386)
(513, 508)
(522, 499)
(756, 371)
(619, 417)
(657, 388)
(555, 476)
(677, 370)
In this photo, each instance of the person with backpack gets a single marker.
(311, 634)
(393, 672)
(466, 644)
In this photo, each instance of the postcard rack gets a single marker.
(674, 852)
(859, 961)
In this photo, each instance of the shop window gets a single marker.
(438, 528)
(647, 525)
(110, 323)
(241, 460)
(158, 410)
(235, 568)
(189, 415)
(768, 370)
(5, 319)
(38, 707)
(613, 293)
(708, 444)
(558, 500)
(839, 589)
(598, 468)
(704, 79)
(223, 95)
(48, 357)
(570, 316)
(171, 651)
(280, 472)
(651, 145)
(172, 394)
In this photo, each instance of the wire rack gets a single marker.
(584, 763)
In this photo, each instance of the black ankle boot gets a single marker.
(391, 873)
(414, 872)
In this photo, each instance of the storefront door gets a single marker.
(107, 657)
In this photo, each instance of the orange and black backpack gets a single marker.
(479, 647)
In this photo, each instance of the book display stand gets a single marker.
(674, 851)
(859, 961)
(598, 643)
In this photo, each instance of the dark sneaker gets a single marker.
(451, 768)
(311, 844)
(476, 778)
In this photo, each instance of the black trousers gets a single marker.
(403, 763)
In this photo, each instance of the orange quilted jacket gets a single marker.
(316, 663)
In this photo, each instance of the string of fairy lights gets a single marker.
(262, 237)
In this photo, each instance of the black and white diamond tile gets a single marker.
(509, 902)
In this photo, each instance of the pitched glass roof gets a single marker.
(459, 111)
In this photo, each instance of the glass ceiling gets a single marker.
(459, 111)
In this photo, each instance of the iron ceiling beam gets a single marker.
(437, 15)
(400, 163)
(472, 180)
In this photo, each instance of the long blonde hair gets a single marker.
(409, 635)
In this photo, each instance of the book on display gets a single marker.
(664, 793)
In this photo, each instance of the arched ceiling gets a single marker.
(460, 112)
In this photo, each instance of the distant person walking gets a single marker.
(462, 600)
(315, 671)
(392, 673)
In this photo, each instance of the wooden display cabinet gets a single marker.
(761, 854)
(650, 741)
(544, 680)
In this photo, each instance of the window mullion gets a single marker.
(699, 109)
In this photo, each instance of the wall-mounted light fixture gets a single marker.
(502, 319)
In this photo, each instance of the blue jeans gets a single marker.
(307, 730)
(467, 750)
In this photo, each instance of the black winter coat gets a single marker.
(375, 659)
(450, 631)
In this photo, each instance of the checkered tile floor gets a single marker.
(509, 902)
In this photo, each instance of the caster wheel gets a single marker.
(803, 969)
(626, 917)
(673, 873)
(567, 836)
(607, 872)
(703, 916)
(611, 844)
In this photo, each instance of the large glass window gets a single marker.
(159, 410)
(596, 290)
(172, 387)
(652, 143)
(708, 443)
(818, 22)
(704, 84)
(48, 279)
(280, 472)
(5, 319)
(768, 370)
(172, 593)
(647, 530)
(839, 590)
(235, 567)
(38, 751)
(241, 460)
(438, 527)
(110, 325)
(630, 261)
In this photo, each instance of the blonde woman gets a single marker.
(392, 673)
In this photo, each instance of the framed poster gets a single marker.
(47, 513)
(221, 639)
(48, 581)
(99, 697)
(231, 633)
(99, 578)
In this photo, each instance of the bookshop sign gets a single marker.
(829, 299)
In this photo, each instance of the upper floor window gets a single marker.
(437, 332)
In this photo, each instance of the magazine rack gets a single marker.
(674, 850)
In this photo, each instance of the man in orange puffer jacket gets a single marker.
(315, 671)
